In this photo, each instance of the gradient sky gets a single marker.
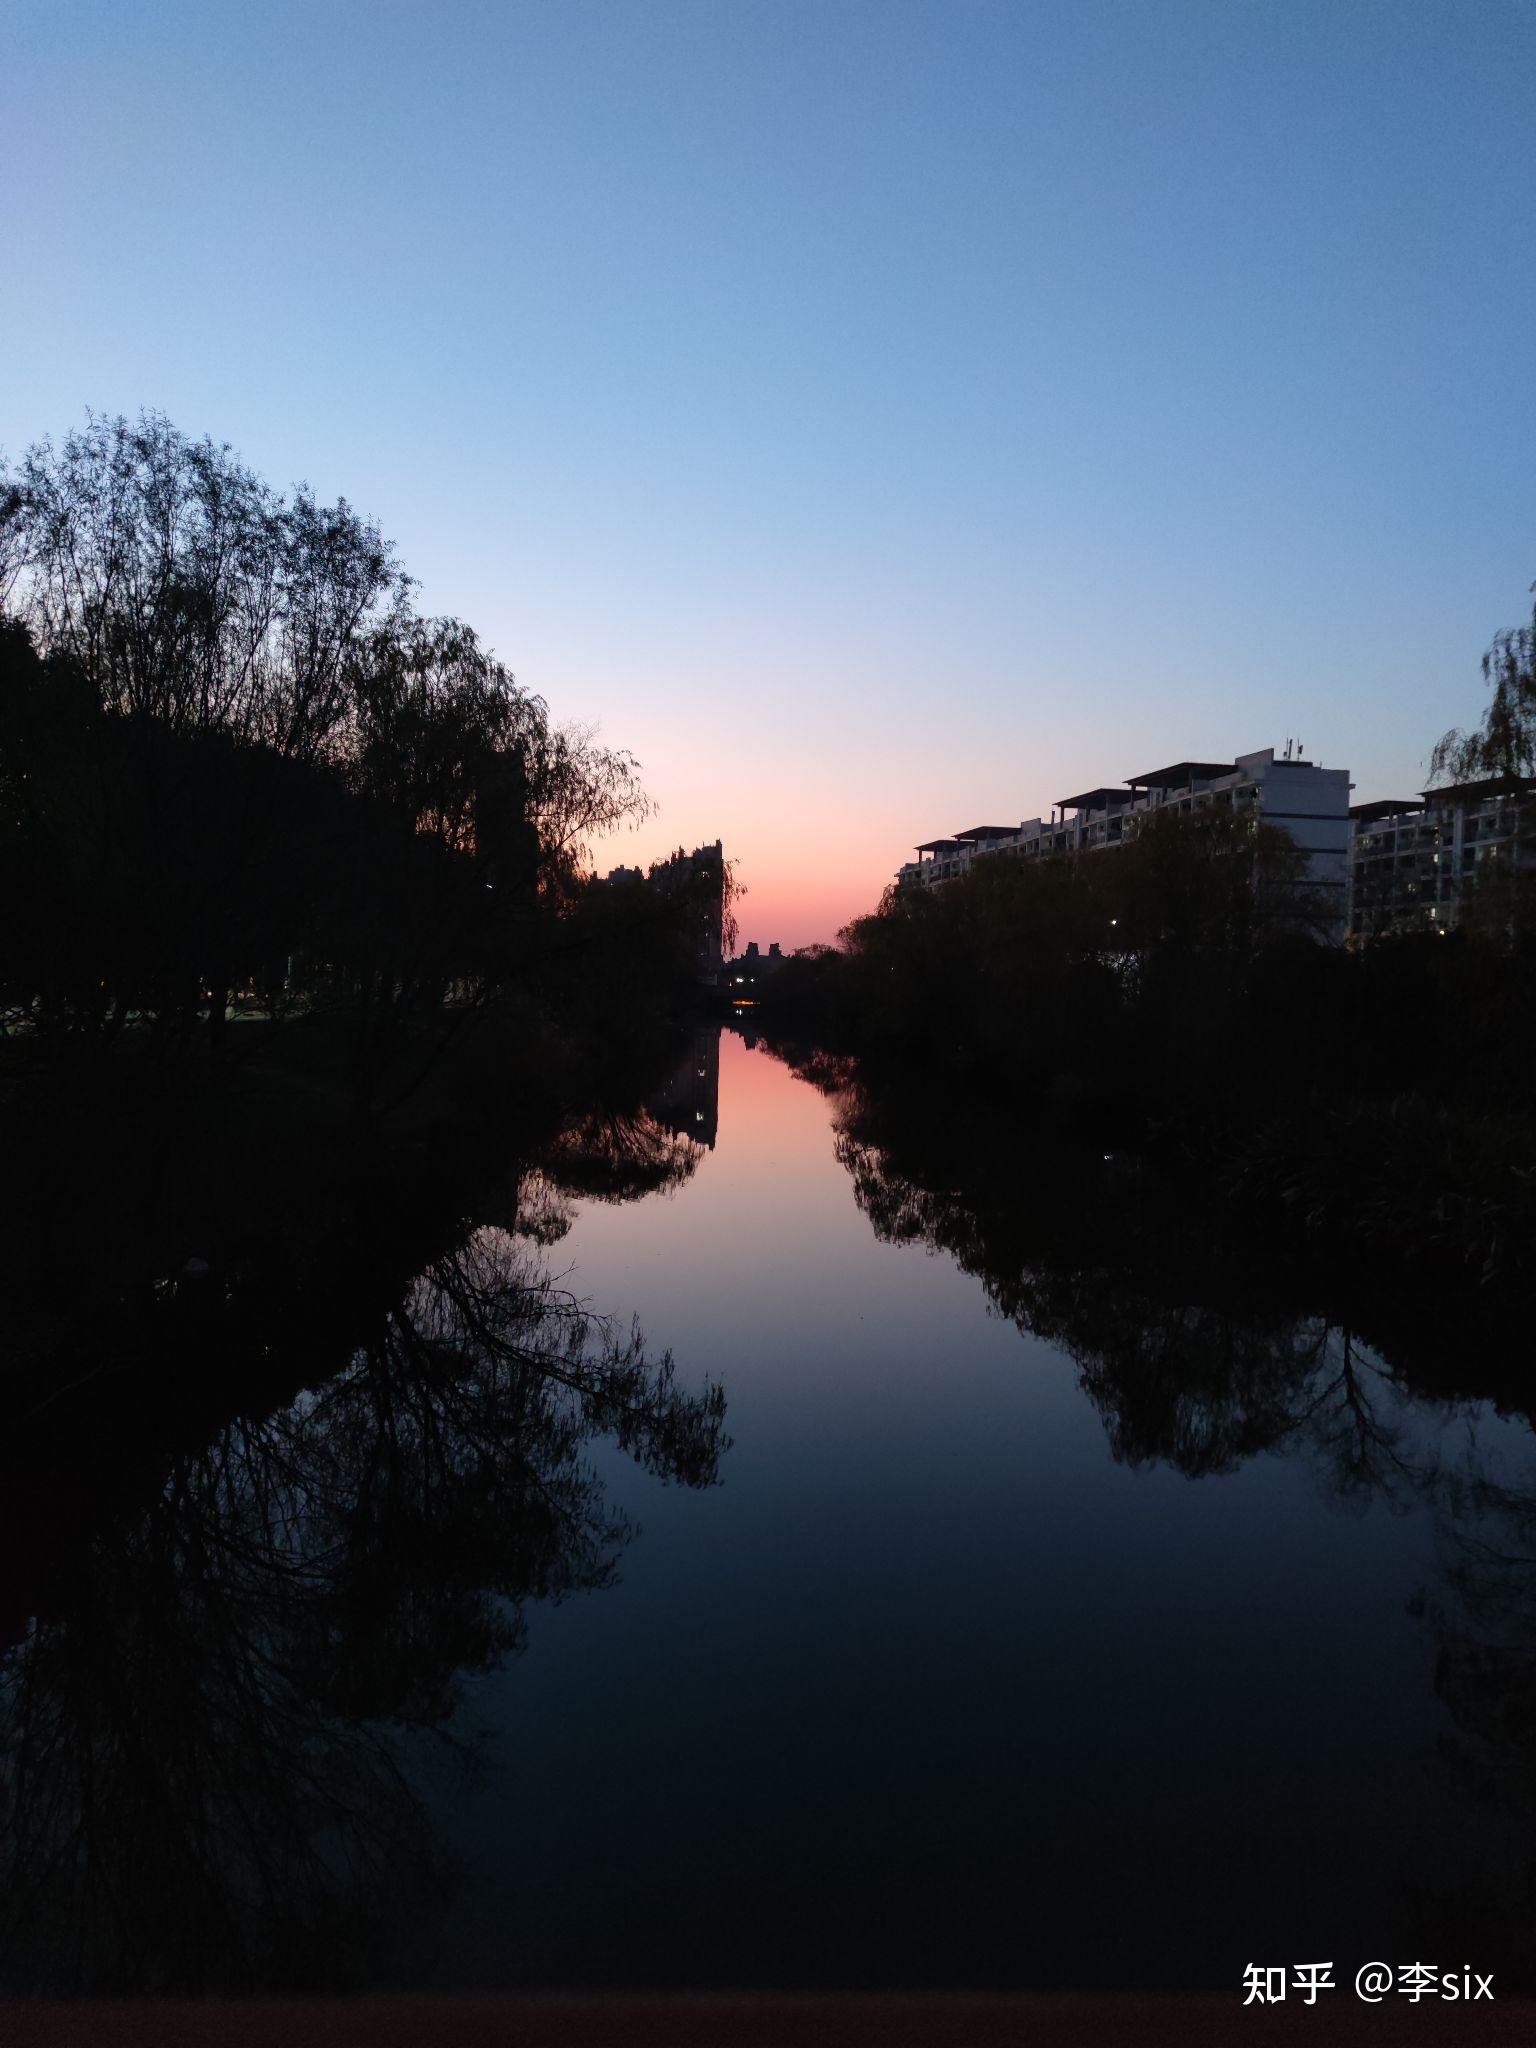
(883, 418)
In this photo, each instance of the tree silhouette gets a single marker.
(234, 759)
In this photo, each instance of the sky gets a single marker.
(880, 418)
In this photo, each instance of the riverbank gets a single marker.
(1170, 1001)
(126, 1172)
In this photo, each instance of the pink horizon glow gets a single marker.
(785, 898)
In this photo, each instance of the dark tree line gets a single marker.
(235, 761)
(1070, 970)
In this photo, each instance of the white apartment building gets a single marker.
(1411, 859)
(1310, 802)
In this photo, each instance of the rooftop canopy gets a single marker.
(989, 832)
(1094, 800)
(1474, 792)
(1384, 807)
(937, 846)
(1182, 774)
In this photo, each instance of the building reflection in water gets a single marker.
(688, 1102)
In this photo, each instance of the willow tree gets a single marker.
(1505, 742)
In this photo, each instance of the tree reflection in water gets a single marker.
(209, 1737)
(611, 1157)
(1202, 1347)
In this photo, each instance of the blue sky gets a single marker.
(881, 418)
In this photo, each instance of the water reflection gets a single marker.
(1483, 1614)
(935, 1692)
(689, 1101)
(211, 1725)
(1200, 1342)
(1202, 1349)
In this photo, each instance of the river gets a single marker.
(1176, 1639)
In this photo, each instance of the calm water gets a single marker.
(1187, 1640)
